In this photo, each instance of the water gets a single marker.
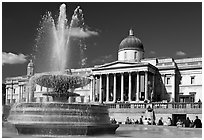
(128, 131)
(54, 41)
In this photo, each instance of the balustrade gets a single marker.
(124, 105)
(156, 105)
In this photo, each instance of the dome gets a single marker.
(131, 42)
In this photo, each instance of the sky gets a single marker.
(166, 29)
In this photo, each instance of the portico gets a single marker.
(123, 82)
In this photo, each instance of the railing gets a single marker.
(196, 105)
(111, 105)
(156, 105)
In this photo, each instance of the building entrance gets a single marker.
(176, 117)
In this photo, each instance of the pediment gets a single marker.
(116, 64)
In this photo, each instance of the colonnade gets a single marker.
(12, 97)
(104, 91)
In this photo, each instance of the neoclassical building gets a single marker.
(132, 78)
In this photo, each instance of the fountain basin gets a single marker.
(55, 118)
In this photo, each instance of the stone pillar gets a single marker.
(138, 87)
(91, 89)
(7, 96)
(173, 88)
(27, 93)
(107, 87)
(100, 89)
(122, 87)
(130, 87)
(153, 80)
(146, 85)
(163, 86)
(94, 87)
(19, 94)
(11, 97)
(22, 93)
(70, 99)
(114, 87)
(31, 92)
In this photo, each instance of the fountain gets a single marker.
(60, 117)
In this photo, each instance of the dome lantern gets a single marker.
(131, 33)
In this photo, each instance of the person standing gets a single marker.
(197, 123)
(187, 122)
(169, 122)
(141, 121)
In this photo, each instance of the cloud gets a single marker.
(103, 59)
(180, 53)
(152, 52)
(80, 33)
(11, 58)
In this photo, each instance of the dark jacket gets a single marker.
(197, 123)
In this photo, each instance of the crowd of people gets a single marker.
(148, 121)
(189, 123)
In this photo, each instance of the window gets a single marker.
(180, 80)
(192, 79)
(41, 99)
(135, 56)
(41, 88)
(186, 98)
(34, 99)
(125, 55)
(24, 89)
(168, 80)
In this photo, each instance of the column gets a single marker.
(70, 100)
(163, 86)
(91, 89)
(122, 87)
(19, 94)
(138, 87)
(153, 79)
(100, 89)
(31, 92)
(94, 87)
(7, 96)
(173, 88)
(27, 93)
(114, 87)
(22, 91)
(146, 85)
(46, 97)
(107, 87)
(130, 87)
(11, 97)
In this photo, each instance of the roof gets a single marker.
(131, 42)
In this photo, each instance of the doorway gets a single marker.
(176, 117)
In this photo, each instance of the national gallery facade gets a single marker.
(132, 78)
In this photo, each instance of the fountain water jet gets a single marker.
(53, 40)
(59, 117)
